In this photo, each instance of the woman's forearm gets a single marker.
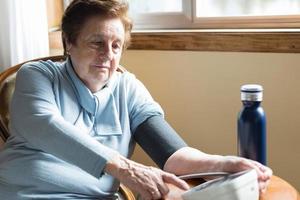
(188, 160)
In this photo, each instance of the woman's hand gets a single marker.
(236, 164)
(194, 161)
(149, 182)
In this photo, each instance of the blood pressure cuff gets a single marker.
(158, 139)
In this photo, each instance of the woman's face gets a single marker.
(97, 52)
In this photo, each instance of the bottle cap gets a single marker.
(251, 92)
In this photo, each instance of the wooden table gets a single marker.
(277, 190)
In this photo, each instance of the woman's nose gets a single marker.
(107, 53)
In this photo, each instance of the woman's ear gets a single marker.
(67, 45)
(68, 48)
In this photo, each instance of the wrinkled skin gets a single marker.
(148, 182)
(194, 161)
(153, 183)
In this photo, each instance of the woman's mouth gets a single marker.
(101, 66)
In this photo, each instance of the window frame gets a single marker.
(188, 20)
(165, 20)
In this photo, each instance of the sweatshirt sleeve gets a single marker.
(36, 118)
(156, 132)
(141, 105)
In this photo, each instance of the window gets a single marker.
(212, 25)
(154, 14)
(217, 8)
(154, 6)
(178, 14)
(157, 14)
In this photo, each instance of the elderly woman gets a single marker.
(75, 124)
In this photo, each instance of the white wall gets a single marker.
(199, 92)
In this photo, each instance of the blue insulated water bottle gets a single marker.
(252, 124)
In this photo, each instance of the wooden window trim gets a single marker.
(192, 40)
(170, 21)
(250, 22)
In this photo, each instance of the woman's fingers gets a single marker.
(235, 164)
(266, 171)
(157, 187)
(162, 187)
(264, 178)
(149, 182)
(263, 186)
(171, 178)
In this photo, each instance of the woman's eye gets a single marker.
(98, 43)
(116, 46)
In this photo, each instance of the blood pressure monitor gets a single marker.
(238, 186)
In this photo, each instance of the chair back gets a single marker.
(7, 87)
